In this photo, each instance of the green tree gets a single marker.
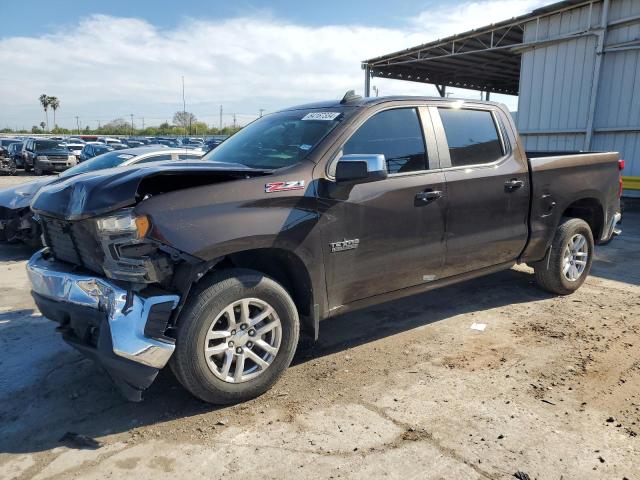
(44, 101)
(54, 103)
(184, 119)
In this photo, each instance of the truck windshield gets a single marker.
(278, 140)
(49, 145)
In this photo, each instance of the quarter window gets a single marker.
(472, 136)
(397, 134)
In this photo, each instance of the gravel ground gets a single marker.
(404, 390)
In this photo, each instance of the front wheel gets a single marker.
(236, 336)
(568, 262)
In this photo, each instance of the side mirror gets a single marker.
(358, 168)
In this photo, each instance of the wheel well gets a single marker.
(283, 266)
(589, 210)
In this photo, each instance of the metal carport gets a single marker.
(575, 66)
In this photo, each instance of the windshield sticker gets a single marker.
(305, 146)
(325, 116)
(284, 186)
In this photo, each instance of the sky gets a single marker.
(108, 60)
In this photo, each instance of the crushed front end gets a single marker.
(102, 280)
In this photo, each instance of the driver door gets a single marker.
(395, 235)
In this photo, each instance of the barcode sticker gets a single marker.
(326, 116)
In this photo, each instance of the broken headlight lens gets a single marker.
(124, 222)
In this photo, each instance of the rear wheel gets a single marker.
(237, 334)
(568, 261)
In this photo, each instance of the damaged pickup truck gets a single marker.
(215, 267)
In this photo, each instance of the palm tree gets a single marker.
(44, 101)
(54, 103)
(42, 124)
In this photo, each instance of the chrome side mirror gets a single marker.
(361, 168)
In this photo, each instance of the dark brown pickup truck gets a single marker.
(216, 266)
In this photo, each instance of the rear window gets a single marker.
(472, 136)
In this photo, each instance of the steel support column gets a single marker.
(602, 34)
(367, 80)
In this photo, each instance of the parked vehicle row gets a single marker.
(16, 219)
(55, 154)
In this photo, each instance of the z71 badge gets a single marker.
(284, 186)
(344, 245)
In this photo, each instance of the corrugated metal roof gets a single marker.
(484, 59)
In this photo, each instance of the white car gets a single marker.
(74, 147)
(110, 141)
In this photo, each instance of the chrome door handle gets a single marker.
(428, 196)
(513, 184)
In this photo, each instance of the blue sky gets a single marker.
(110, 59)
(48, 16)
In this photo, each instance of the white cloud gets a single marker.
(108, 67)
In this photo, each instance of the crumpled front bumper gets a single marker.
(120, 330)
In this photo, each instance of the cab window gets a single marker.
(472, 136)
(396, 134)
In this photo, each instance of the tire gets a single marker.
(209, 303)
(37, 171)
(12, 167)
(550, 272)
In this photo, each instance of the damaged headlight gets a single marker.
(124, 222)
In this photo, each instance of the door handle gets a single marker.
(428, 196)
(513, 184)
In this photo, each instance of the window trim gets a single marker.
(445, 163)
(429, 141)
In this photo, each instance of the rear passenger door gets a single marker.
(487, 187)
(396, 230)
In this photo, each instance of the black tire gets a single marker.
(12, 167)
(205, 303)
(37, 171)
(549, 272)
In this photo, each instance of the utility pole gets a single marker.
(234, 120)
(261, 112)
(78, 123)
(131, 123)
(220, 117)
(142, 123)
(184, 103)
(98, 124)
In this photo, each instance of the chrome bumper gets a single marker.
(55, 281)
(612, 229)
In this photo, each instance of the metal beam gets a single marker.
(602, 35)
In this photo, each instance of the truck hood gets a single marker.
(20, 196)
(96, 193)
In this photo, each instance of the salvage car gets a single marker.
(14, 151)
(7, 163)
(46, 156)
(215, 267)
(17, 223)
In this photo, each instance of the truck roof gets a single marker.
(370, 101)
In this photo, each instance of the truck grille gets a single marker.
(73, 242)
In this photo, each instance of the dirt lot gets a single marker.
(402, 390)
